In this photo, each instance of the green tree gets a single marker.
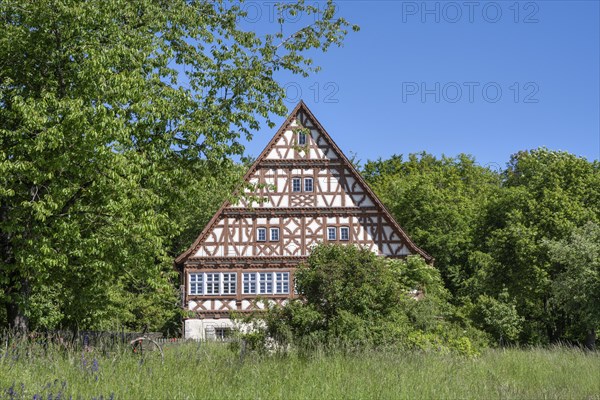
(576, 289)
(352, 297)
(488, 231)
(111, 113)
(440, 203)
(546, 195)
(498, 317)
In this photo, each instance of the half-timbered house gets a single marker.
(301, 190)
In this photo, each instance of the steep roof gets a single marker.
(302, 108)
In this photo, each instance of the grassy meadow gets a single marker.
(212, 370)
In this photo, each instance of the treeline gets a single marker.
(518, 249)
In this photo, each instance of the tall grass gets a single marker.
(211, 370)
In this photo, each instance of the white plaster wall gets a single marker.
(202, 329)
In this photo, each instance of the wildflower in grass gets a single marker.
(95, 368)
(11, 391)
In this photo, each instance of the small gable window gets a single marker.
(296, 185)
(301, 138)
(274, 234)
(261, 234)
(308, 184)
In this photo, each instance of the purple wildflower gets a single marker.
(11, 391)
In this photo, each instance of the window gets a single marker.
(296, 187)
(213, 283)
(308, 184)
(274, 234)
(282, 282)
(344, 233)
(196, 283)
(229, 283)
(331, 233)
(301, 138)
(261, 234)
(222, 333)
(265, 282)
(249, 282)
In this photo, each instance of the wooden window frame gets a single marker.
(347, 230)
(271, 231)
(230, 283)
(284, 282)
(329, 230)
(201, 284)
(312, 184)
(279, 283)
(268, 281)
(258, 231)
(212, 283)
(301, 139)
(294, 181)
(197, 284)
(250, 282)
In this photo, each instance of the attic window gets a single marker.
(301, 139)
(308, 184)
(274, 234)
(296, 185)
(261, 234)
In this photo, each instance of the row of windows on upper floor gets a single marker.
(332, 233)
(225, 283)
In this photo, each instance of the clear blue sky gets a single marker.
(484, 78)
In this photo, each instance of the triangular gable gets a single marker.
(320, 146)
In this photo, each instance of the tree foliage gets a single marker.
(352, 298)
(114, 116)
(498, 317)
(490, 232)
(439, 202)
(576, 289)
(545, 196)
